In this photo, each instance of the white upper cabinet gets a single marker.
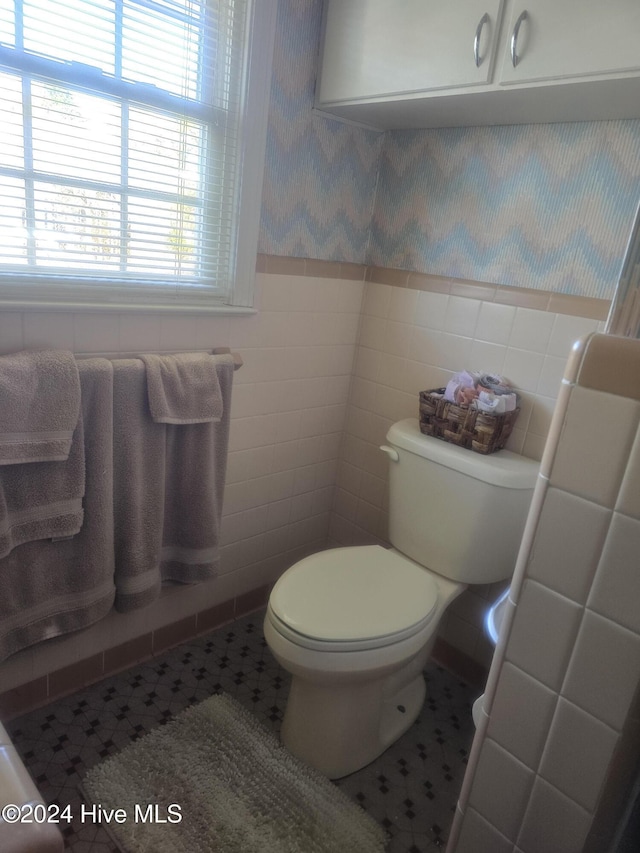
(441, 63)
(379, 48)
(551, 40)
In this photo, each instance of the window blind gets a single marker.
(119, 143)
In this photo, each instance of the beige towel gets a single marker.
(51, 588)
(195, 478)
(139, 470)
(39, 405)
(42, 500)
(169, 483)
(183, 388)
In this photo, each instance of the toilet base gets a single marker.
(339, 729)
(345, 708)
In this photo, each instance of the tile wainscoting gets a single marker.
(415, 331)
(287, 419)
(335, 354)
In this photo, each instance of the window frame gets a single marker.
(85, 292)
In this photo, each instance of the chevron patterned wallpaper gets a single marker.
(542, 206)
(320, 174)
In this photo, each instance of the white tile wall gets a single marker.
(604, 669)
(501, 779)
(413, 340)
(543, 649)
(577, 754)
(616, 587)
(553, 822)
(521, 698)
(581, 467)
(305, 376)
(479, 836)
(288, 410)
(566, 686)
(572, 532)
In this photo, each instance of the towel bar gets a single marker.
(237, 358)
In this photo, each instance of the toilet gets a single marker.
(355, 626)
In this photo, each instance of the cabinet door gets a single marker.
(382, 48)
(572, 38)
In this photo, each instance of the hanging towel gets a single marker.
(139, 481)
(39, 406)
(52, 588)
(41, 499)
(183, 388)
(196, 462)
(169, 484)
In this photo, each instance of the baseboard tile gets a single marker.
(59, 683)
(460, 664)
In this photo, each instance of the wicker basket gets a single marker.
(466, 427)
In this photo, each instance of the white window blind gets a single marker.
(120, 146)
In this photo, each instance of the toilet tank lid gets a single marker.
(503, 468)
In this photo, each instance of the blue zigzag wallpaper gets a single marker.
(320, 174)
(542, 206)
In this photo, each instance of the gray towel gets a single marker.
(195, 477)
(169, 483)
(52, 588)
(43, 500)
(39, 405)
(183, 388)
(139, 470)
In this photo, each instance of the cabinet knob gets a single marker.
(485, 19)
(514, 37)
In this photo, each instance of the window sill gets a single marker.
(124, 307)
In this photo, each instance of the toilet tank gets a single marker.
(457, 512)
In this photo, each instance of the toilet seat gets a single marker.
(348, 599)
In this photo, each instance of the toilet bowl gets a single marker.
(356, 656)
(355, 626)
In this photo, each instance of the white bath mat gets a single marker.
(231, 785)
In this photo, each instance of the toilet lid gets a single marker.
(354, 594)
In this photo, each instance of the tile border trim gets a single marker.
(48, 688)
(520, 297)
(610, 364)
(59, 683)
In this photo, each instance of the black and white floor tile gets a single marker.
(411, 790)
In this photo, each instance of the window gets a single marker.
(125, 148)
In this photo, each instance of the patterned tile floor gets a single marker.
(411, 790)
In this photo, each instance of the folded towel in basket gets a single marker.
(183, 388)
(39, 406)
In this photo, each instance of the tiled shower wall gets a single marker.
(414, 333)
(556, 751)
